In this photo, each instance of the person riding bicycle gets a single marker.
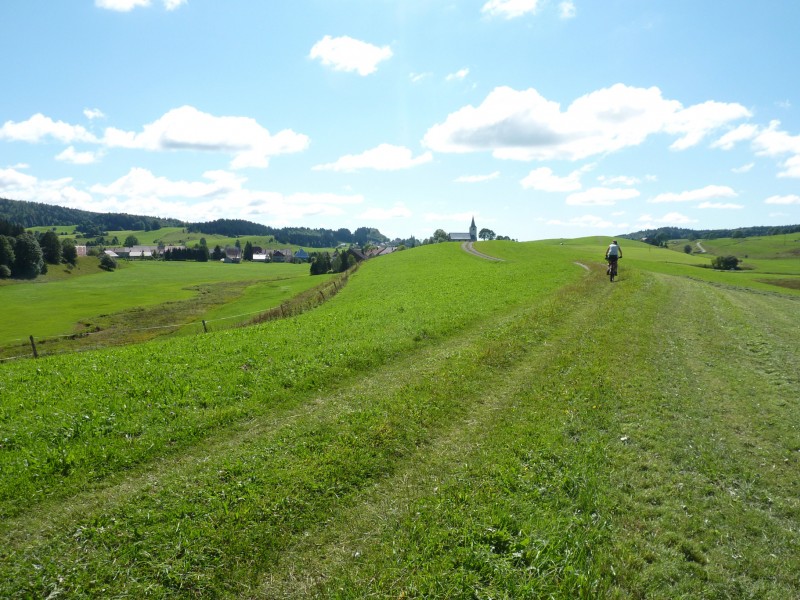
(613, 254)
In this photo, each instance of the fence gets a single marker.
(297, 305)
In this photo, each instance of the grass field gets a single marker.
(143, 294)
(444, 427)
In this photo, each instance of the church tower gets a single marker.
(473, 231)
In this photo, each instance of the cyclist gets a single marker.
(613, 254)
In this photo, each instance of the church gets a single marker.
(472, 236)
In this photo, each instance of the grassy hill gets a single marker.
(444, 427)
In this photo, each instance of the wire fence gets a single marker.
(295, 306)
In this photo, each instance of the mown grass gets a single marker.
(444, 427)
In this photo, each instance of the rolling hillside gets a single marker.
(444, 427)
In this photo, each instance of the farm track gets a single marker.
(667, 428)
(57, 522)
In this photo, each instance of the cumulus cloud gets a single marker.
(785, 200)
(40, 127)
(567, 10)
(348, 54)
(70, 155)
(22, 186)
(509, 9)
(523, 125)
(734, 136)
(477, 178)
(601, 196)
(187, 128)
(385, 157)
(543, 179)
(706, 193)
(618, 180)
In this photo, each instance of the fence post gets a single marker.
(33, 345)
(205, 329)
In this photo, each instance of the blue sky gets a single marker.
(542, 119)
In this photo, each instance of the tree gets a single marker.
(51, 247)
(687, 248)
(440, 235)
(69, 253)
(28, 260)
(7, 252)
(320, 263)
(725, 263)
(248, 251)
(202, 253)
(203, 241)
(487, 234)
(217, 254)
(107, 262)
(131, 241)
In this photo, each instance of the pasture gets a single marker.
(444, 427)
(140, 295)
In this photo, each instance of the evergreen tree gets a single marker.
(28, 260)
(248, 251)
(69, 253)
(51, 247)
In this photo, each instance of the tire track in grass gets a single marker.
(325, 561)
(57, 531)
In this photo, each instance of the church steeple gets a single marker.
(473, 231)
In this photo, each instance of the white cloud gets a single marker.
(792, 167)
(601, 196)
(459, 75)
(567, 10)
(142, 184)
(477, 178)
(348, 54)
(509, 9)
(696, 122)
(121, 5)
(784, 200)
(385, 157)
(720, 205)
(40, 127)
(397, 211)
(738, 134)
(417, 77)
(523, 125)
(93, 113)
(706, 193)
(78, 158)
(22, 186)
(187, 128)
(744, 168)
(543, 179)
(129, 5)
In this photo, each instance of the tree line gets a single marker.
(26, 255)
(660, 236)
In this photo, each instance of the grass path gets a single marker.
(605, 441)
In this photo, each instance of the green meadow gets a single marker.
(141, 295)
(443, 427)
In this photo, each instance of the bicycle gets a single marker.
(612, 267)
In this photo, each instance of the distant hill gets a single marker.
(664, 234)
(91, 224)
(38, 214)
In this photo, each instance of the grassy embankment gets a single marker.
(140, 300)
(444, 427)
